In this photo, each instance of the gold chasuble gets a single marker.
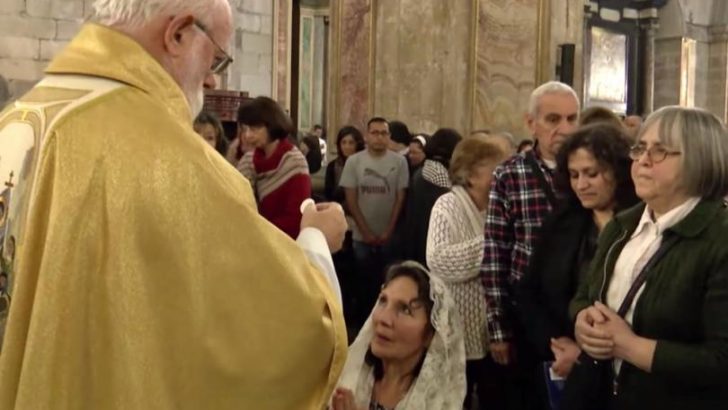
(142, 275)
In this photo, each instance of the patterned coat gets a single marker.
(454, 253)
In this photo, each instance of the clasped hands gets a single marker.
(373, 240)
(602, 333)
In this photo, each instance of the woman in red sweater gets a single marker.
(276, 169)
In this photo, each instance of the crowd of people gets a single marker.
(518, 233)
(160, 265)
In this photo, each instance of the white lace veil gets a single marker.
(441, 382)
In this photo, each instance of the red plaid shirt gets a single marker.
(518, 205)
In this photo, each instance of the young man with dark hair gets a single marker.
(375, 181)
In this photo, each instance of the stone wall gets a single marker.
(691, 56)
(667, 63)
(422, 51)
(717, 102)
(253, 47)
(33, 31)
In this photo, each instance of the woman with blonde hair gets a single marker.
(455, 246)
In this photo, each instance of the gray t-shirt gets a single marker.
(377, 180)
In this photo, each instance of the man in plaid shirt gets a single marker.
(518, 205)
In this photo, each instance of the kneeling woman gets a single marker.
(410, 353)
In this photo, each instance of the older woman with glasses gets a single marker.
(652, 317)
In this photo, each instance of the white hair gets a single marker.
(506, 136)
(138, 12)
(551, 87)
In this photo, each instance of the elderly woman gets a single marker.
(277, 170)
(410, 354)
(655, 306)
(455, 245)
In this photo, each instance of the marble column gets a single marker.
(508, 44)
(717, 98)
(432, 64)
(649, 67)
(701, 72)
(350, 64)
(667, 71)
(282, 12)
(567, 25)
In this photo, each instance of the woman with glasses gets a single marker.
(276, 169)
(654, 308)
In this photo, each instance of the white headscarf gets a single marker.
(441, 382)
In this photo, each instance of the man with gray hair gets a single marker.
(144, 277)
(521, 196)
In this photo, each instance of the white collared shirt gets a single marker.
(642, 245)
(313, 243)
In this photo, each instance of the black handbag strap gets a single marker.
(538, 172)
(670, 239)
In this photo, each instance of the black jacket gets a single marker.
(421, 198)
(566, 246)
(332, 191)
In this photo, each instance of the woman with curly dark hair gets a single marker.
(593, 171)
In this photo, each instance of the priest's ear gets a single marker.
(179, 34)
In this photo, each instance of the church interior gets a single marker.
(467, 65)
(395, 204)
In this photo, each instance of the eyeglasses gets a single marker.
(656, 154)
(220, 64)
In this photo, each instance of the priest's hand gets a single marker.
(327, 217)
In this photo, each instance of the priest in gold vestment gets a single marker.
(142, 275)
